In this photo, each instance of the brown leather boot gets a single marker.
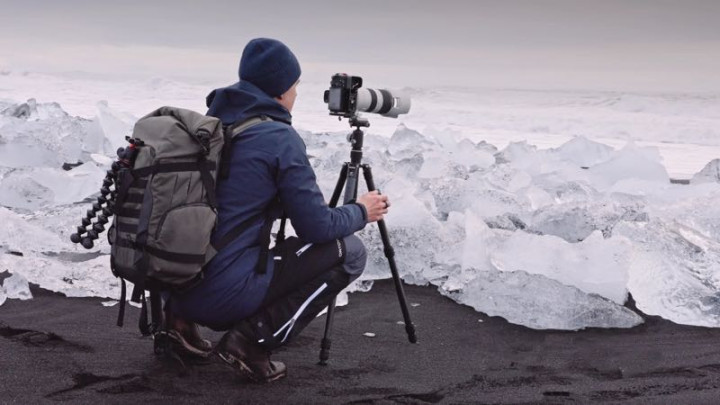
(249, 359)
(185, 336)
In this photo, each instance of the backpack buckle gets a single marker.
(202, 136)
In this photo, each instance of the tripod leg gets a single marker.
(339, 186)
(326, 342)
(390, 255)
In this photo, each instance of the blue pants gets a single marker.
(305, 280)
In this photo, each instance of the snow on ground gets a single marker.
(545, 208)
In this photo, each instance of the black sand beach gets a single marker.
(58, 349)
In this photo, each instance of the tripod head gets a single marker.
(358, 122)
(356, 137)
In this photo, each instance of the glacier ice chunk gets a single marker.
(115, 126)
(475, 247)
(405, 143)
(595, 265)
(90, 278)
(48, 137)
(538, 302)
(21, 191)
(709, 173)
(17, 287)
(44, 187)
(675, 272)
(17, 234)
(575, 221)
(584, 152)
(631, 162)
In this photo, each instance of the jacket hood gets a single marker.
(243, 100)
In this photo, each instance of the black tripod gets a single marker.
(349, 177)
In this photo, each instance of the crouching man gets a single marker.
(262, 298)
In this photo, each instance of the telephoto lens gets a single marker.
(388, 103)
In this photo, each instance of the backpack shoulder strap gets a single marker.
(231, 132)
(238, 128)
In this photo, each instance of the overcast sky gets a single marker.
(659, 45)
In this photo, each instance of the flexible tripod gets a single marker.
(349, 178)
(104, 208)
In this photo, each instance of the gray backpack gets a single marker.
(165, 206)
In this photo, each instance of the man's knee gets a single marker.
(355, 256)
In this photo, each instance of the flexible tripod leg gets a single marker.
(390, 255)
(326, 342)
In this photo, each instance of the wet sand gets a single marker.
(58, 349)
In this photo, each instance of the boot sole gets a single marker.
(239, 367)
(184, 346)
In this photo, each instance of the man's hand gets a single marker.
(375, 204)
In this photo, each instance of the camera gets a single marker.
(346, 98)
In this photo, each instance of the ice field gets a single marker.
(543, 207)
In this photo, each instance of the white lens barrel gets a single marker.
(384, 102)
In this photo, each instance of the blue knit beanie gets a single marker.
(270, 65)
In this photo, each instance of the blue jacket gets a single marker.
(268, 162)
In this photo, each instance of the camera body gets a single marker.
(345, 98)
(342, 96)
